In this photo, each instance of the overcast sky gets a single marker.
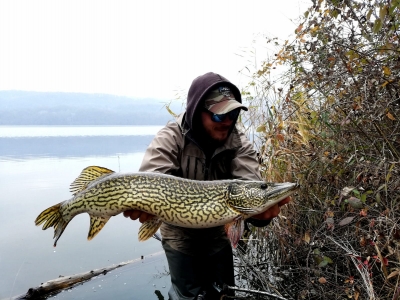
(148, 48)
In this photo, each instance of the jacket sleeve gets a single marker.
(163, 153)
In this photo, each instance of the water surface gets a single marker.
(37, 165)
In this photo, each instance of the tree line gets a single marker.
(36, 108)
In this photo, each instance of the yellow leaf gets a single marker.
(383, 12)
(267, 143)
(356, 295)
(298, 29)
(330, 99)
(383, 267)
(334, 13)
(170, 111)
(390, 116)
(261, 128)
(281, 124)
(389, 174)
(394, 273)
(307, 237)
(330, 214)
(280, 137)
(369, 13)
(386, 71)
(377, 25)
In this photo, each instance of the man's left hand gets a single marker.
(273, 211)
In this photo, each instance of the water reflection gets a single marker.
(35, 173)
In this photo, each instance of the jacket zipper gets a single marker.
(207, 168)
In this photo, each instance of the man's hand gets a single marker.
(135, 214)
(273, 211)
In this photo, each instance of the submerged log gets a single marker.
(55, 286)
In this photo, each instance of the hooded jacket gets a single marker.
(180, 149)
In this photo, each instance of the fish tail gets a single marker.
(52, 217)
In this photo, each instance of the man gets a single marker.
(203, 144)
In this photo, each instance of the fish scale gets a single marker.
(103, 193)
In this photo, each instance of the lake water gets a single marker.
(37, 165)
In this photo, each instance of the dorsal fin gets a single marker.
(88, 175)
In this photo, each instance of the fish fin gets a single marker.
(52, 217)
(243, 210)
(234, 231)
(88, 175)
(149, 228)
(96, 224)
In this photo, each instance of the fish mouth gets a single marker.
(280, 191)
(274, 193)
(283, 187)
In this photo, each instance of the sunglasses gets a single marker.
(233, 114)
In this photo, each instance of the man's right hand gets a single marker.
(135, 214)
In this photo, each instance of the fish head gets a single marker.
(254, 197)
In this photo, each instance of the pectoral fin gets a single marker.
(96, 224)
(234, 231)
(243, 210)
(149, 228)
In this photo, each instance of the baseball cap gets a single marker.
(221, 101)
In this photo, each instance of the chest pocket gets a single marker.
(192, 162)
(221, 165)
(195, 167)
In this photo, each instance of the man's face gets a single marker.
(218, 131)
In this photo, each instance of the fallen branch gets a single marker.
(234, 288)
(225, 288)
(57, 285)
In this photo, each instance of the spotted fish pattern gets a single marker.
(102, 193)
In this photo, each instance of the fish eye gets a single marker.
(263, 186)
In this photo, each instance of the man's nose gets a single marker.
(227, 121)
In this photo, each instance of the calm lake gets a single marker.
(37, 165)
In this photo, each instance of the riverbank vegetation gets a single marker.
(331, 121)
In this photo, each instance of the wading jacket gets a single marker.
(175, 151)
(172, 152)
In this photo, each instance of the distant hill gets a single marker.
(39, 108)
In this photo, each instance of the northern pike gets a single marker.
(103, 193)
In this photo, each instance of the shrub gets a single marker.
(331, 122)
